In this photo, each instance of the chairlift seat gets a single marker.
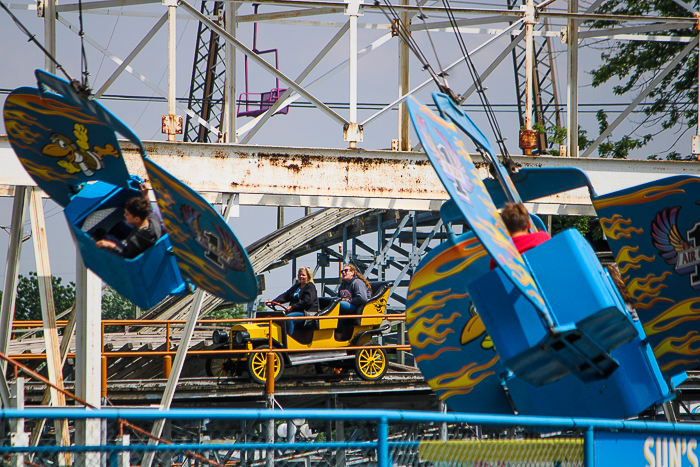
(255, 107)
(146, 279)
(589, 318)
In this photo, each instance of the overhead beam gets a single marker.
(283, 176)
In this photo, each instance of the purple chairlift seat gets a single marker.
(257, 103)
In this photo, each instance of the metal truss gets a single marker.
(206, 97)
(546, 100)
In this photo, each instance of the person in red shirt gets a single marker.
(517, 221)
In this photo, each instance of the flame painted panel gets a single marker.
(654, 233)
(207, 250)
(448, 339)
(454, 166)
(60, 144)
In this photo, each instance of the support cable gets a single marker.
(481, 91)
(32, 38)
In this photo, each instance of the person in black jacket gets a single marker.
(140, 231)
(302, 298)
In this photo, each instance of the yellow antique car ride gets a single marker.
(370, 364)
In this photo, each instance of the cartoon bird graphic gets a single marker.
(475, 329)
(76, 156)
(665, 235)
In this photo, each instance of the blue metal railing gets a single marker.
(383, 418)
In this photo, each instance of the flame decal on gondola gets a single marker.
(675, 315)
(678, 346)
(463, 380)
(431, 301)
(643, 196)
(647, 287)
(441, 350)
(626, 261)
(426, 331)
(613, 227)
(441, 266)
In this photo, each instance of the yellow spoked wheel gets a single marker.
(219, 367)
(371, 364)
(257, 366)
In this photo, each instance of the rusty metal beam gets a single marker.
(282, 176)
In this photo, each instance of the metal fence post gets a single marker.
(383, 442)
(124, 457)
(18, 437)
(588, 449)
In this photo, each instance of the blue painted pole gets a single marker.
(588, 448)
(383, 442)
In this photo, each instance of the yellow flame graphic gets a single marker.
(675, 315)
(441, 350)
(632, 262)
(679, 345)
(651, 303)
(463, 380)
(647, 287)
(613, 227)
(44, 172)
(36, 104)
(467, 250)
(644, 195)
(426, 330)
(431, 301)
(17, 131)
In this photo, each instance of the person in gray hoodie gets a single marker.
(354, 292)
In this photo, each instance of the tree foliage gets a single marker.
(28, 303)
(633, 64)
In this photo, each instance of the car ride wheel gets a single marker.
(371, 364)
(218, 367)
(257, 366)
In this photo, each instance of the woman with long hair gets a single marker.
(354, 292)
(302, 298)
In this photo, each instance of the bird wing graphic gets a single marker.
(665, 235)
(191, 218)
(234, 257)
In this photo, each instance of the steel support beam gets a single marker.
(175, 372)
(48, 312)
(279, 176)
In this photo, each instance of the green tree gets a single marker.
(28, 304)
(114, 306)
(672, 103)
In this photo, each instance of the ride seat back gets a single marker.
(376, 304)
(328, 306)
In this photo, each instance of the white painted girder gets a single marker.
(317, 177)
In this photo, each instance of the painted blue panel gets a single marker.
(458, 174)
(614, 449)
(447, 337)
(448, 108)
(654, 233)
(538, 182)
(208, 252)
(61, 143)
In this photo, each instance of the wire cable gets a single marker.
(32, 38)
